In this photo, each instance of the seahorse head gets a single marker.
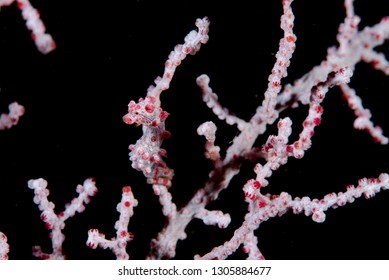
(145, 112)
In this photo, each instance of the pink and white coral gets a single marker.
(258, 137)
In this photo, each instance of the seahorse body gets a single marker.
(146, 154)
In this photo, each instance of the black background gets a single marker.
(109, 52)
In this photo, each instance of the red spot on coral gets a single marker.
(317, 121)
(291, 38)
(262, 204)
(319, 109)
(257, 184)
(289, 149)
(187, 49)
(375, 63)
(251, 196)
(372, 180)
(245, 249)
(20, 5)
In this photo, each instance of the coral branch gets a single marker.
(56, 223)
(4, 247)
(191, 46)
(214, 218)
(278, 205)
(210, 98)
(267, 111)
(169, 209)
(363, 115)
(12, 118)
(208, 129)
(43, 41)
(117, 245)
